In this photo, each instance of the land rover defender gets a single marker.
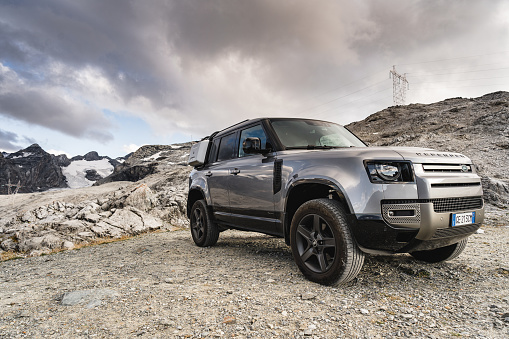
(330, 196)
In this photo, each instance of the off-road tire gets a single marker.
(203, 230)
(322, 245)
(442, 253)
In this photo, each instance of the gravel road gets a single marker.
(160, 285)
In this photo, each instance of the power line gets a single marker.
(350, 102)
(457, 58)
(448, 87)
(458, 80)
(456, 68)
(481, 70)
(341, 97)
(347, 85)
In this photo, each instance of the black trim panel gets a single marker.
(376, 235)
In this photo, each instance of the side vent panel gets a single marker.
(278, 166)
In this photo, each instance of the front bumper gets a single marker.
(411, 225)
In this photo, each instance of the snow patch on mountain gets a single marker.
(152, 157)
(76, 172)
(23, 155)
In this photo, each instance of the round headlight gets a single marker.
(388, 172)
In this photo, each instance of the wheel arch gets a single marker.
(193, 196)
(308, 189)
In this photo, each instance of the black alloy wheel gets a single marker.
(322, 245)
(316, 244)
(203, 230)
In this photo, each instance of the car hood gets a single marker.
(428, 155)
(414, 154)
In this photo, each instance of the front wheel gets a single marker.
(203, 230)
(442, 253)
(322, 244)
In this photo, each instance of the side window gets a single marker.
(255, 131)
(213, 151)
(226, 147)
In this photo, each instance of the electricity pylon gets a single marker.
(9, 185)
(399, 86)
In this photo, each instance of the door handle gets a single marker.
(208, 174)
(235, 171)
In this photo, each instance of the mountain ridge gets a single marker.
(37, 170)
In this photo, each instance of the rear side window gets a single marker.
(226, 147)
(213, 151)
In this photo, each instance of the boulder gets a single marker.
(51, 241)
(142, 198)
(103, 229)
(41, 213)
(126, 220)
(31, 244)
(8, 245)
(71, 226)
(92, 217)
(28, 216)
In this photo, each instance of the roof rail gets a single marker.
(209, 137)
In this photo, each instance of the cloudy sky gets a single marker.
(113, 75)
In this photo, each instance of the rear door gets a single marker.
(218, 174)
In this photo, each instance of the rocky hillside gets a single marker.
(148, 160)
(476, 127)
(41, 222)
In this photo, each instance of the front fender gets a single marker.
(345, 174)
(330, 182)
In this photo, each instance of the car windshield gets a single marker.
(313, 134)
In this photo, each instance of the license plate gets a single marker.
(463, 219)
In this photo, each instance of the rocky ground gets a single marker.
(160, 285)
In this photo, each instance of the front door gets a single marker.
(251, 186)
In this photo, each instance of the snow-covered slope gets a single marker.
(76, 172)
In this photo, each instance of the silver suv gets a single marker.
(331, 197)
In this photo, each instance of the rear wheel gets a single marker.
(322, 244)
(442, 253)
(203, 230)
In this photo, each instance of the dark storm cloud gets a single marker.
(173, 62)
(299, 44)
(55, 113)
(10, 142)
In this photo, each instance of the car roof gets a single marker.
(237, 126)
(248, 122)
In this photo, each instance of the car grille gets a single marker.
(449, 168)
(444, 205)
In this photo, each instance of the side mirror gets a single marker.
(252, 146)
